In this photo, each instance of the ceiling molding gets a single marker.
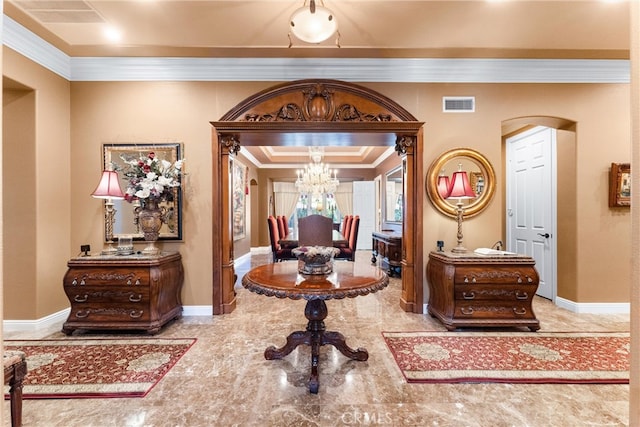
(26, 43)
(401, 70)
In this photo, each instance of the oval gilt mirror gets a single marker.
(481, 178)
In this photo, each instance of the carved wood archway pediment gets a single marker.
(318, 100)
(352, 114)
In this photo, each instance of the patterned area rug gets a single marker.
(453, 357)
(85, 368)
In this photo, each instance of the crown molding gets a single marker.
(26, 43)
(384, 70)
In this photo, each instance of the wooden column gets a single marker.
(409, 148)
(224, 298)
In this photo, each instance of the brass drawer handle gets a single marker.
(75, 282)
(79, 298)
(466, 280)
(519, 311)
(522, 295)
(135, 314)
(529, 279)
(82, 314)
(519, 279)
(468, 311)
(134, 298)
(470, 295)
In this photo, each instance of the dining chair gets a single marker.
(349, 253)
(281, 228)
(347, 226)
(315, 230)
(279, 253)
(285, 225)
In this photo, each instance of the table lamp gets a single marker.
(460, 189)
(109, 189)
(443, 185)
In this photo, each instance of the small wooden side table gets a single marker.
(123, 292)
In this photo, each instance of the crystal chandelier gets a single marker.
(316, 177)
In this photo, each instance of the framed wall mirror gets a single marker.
(481, 177)
(393, 196)
(126, 223)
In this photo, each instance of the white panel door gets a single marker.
(364, 205)
(531, 206)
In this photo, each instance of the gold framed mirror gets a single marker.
(126, 223)
(481, 177)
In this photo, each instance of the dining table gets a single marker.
(291, 240)
(283, 280)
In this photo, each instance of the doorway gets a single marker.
(535, 148)
(313, 112)
(531, 202)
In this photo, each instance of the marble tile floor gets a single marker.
(224, 379)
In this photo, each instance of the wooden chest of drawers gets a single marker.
(472, 290)
(123, 292)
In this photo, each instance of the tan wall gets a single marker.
(48, 180)
(108, 112)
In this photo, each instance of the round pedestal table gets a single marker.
(282, 280)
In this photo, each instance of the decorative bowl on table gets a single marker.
(315, 259)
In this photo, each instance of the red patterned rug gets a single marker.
(85, 368)
(506, 357)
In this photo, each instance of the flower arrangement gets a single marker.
(151, 178)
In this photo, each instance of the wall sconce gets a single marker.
(313, 24)
(109, 189)
(460, 189)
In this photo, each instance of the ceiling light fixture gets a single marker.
(313, 24)
(316, 178)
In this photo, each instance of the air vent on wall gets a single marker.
(458, 104)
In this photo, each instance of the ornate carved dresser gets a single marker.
(123, 292)
(470, 290)
(388, 244)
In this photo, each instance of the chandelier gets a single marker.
(316, 177)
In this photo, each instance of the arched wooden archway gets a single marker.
(317, 112)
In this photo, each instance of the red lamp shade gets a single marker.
(443, 186)
(459, 188)
(109, 187)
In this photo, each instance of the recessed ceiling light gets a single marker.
(113, 34)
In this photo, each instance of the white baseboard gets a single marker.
(57, 319)
(242, 258)
(197, 310)
(38, 324)
(207, 310)
(594, 307)
(587, 307)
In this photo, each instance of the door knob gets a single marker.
(545, 235)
